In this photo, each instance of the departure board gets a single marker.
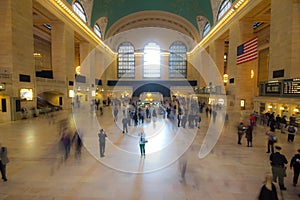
(273, 88)
(291, 86)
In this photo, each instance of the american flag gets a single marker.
(247, 51)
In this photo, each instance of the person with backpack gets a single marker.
(292, 129)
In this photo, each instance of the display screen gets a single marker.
(26, 94)
(291, 86)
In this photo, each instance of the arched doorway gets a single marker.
(151, 87)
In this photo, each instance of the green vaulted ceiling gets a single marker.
(116, 9)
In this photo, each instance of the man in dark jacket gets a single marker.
(295, 164)
(278, 162)
(3, 161)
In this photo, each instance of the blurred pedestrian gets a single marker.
(102, 137)
(66, 141)
(3, 161)
(142, 142)
(77, 141)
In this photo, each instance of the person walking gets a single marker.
(249, 135)
(278, 162)
(292, 130)
(271, 140)
(3, 161)
(268, 190)
(142, 142)
(295, 165)
(102, 137)
(77, 140)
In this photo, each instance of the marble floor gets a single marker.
(216, 166)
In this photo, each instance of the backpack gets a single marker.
(291, 129)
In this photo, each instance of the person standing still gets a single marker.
(3, 161)
(102, 137)
(241, 129)
(249, 135)
(295, 164)
(278, 162)
(142, 142)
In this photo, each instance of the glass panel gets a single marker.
(177, 60)
(152, 61)
(97, 30)
(126, 62)
(225, 6)
(77, 7)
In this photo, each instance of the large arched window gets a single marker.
(206, 29)
(151, 60)
(97, 30)
(126, 63)
(77, 7)
(177, 60)
(225, 6)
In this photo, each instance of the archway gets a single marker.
(151, 87)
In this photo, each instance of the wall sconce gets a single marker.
(225, 78)
(225, 57)
(281, 108)
(77, 70)
(270, 106)
(296, 110)
(251, 73)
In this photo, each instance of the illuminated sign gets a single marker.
(26, 94)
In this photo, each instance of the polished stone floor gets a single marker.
(38, 170)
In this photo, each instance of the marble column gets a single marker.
(63, 57)
(244, 75)
(16, 52)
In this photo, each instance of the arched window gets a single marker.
(97, 30)
(177, 60)
(77, 7)
(152, 60)
(225, 6)
(126, 62)
(206, 29)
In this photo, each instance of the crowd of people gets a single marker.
(278, 161)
